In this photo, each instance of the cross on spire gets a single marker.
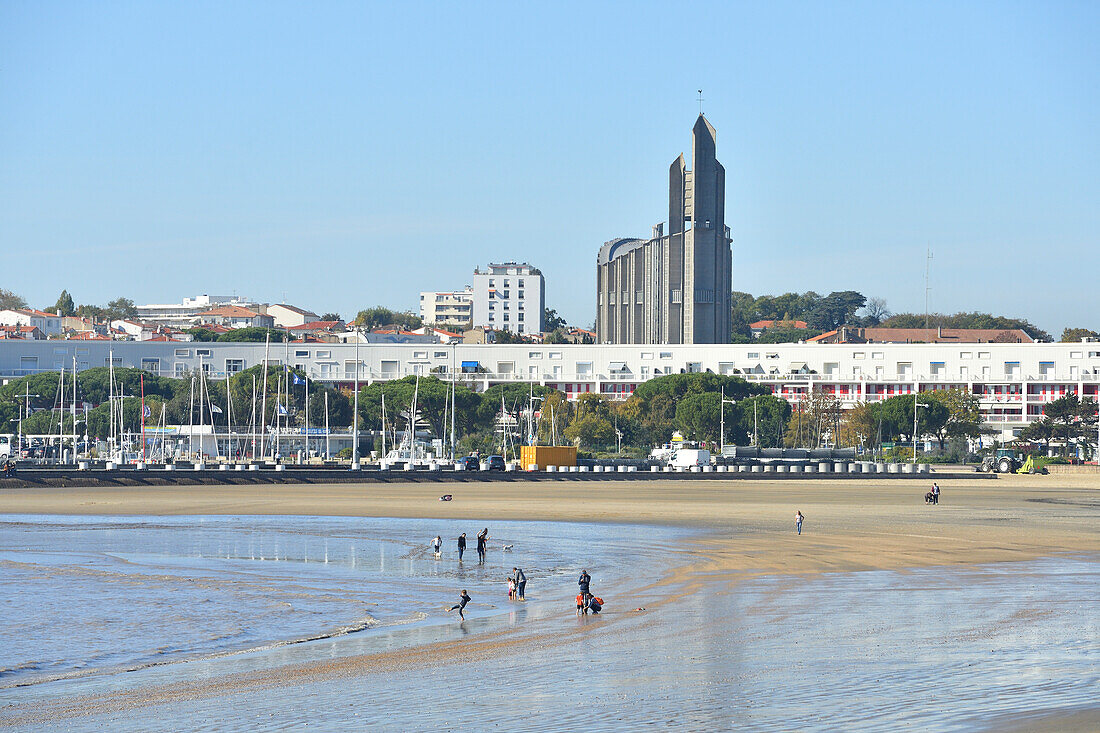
(700, 101)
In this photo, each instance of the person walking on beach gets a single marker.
(463, 599)
(461, 546)
(521, 583)
(482, 536)
(437, 543)
(798, 521)
(935, 493)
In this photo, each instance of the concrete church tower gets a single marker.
(675, 287)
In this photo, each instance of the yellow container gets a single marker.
(547, 455)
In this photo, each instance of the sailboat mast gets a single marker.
(263, 404)
(202, 414)
(74, 410)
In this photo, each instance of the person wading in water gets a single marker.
(482, 536)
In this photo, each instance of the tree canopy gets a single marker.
(820, 312)
(380, 316)
(1073, 335)
(64, 305)
(966, 320)
(8, 299)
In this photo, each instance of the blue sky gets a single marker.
(341, 155)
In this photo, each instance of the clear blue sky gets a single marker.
(341, 155)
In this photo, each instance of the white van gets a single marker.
(689, 458)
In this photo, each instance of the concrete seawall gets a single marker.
(292, 475)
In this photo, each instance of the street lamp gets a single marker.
(916, 404)
(722, 435)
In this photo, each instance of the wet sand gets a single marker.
(747, 531)
(866, 525)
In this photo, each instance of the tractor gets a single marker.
(1006, 460)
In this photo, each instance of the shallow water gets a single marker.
(937, 649)
(86, 596)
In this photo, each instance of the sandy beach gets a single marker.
(867, 524)
(745, 529)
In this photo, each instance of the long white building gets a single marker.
(1014, 381)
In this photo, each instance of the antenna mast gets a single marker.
(927, 287)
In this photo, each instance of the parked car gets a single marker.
(494, 463)
(469, 463)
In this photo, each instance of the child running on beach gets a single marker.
(463, 599)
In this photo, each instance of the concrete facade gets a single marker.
(673, 288)
(289, 316)
(186, 314)
(453, 309)
(47, 323)
(1013, 381)
(510, 296)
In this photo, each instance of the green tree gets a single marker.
(1073, 335)
(781, 335)
(507, 337)
(557, 336)
(253, 334)
(330, 316)
(64, 305)
(91, 312)
(432, 399)
(1072, 419)
(379, 316)
(762, 416)
(896, 416)
(697, 416)
(591, 431)
(964, 418)
(834, 310)
(1039, 431)
(551, 320)
(119, 309)
(966, 320)
(10, 300)
(202, 334)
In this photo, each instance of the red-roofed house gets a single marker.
(31, 333)
(48, 323)
(760, 326)
(87, 336)
(234, 317)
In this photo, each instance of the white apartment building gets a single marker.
(1013, 381)
(185, 314)
(453, 309)
(509, 296)
(47, 323)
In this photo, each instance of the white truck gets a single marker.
(686, 458)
